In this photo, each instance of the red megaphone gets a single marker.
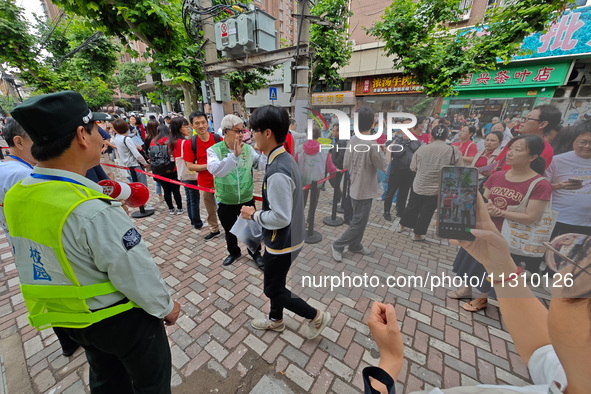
(135, 194)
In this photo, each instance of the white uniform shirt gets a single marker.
(96, 239)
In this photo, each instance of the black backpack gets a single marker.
(160, 160)
(216, 138)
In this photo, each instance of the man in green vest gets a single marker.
(82, 264)
(231, 162)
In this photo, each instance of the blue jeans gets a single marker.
(193, 205)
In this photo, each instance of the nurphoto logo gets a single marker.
(392, 126)
(345, 124)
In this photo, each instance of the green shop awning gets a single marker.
(520, 76)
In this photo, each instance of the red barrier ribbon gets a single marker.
(207, 189)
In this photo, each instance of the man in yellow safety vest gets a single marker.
(82, 264)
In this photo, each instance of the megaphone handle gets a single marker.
(134, 179)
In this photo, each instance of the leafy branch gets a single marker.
(420, 37)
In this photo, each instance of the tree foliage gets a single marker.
(129, 76)
(244, 82)
(419, 35)
(329, 43)
(59, 55)
(19, 46)
(156, 23)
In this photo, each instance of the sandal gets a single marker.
(460, 293)
(474, 306)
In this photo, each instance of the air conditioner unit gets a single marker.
(584, 91)
(563, 91)
(577, 74)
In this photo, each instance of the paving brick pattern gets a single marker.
(444, 345)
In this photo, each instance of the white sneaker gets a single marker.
(171, 211)
(338, 256)
(317, 325)
(262, 323)
(180, 211)
(401, 229)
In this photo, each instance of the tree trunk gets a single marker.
(190, 95)
(242, 102)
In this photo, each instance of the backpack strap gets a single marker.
(531, 189)
(467, 149)
(476, 158)
(502, 163)
(216, 138)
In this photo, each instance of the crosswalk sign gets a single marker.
(272, 93)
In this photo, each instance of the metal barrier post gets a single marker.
(142, 213)
(313, 237)
(333, 220)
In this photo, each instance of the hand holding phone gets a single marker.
(571, 184)
(458, 194)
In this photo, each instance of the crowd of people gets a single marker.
(536, 168)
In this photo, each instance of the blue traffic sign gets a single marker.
(272, 93)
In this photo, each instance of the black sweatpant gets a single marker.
(276, 269)
(228, 215)
(171, 189)
(400, 180)
(419, 212)
(127, 353)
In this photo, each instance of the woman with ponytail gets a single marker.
(502, 189)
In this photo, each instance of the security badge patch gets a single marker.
(131, 238)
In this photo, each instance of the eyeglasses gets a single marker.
(528, 119)
(583, 143)
(562, 249)
(240, 131)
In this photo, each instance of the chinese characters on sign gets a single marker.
(333, 98)
(560, 35)
(387, 84)
(569, 35)
(518, 76)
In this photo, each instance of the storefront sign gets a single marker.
(333, 98)
(568, 36)
(387, 84)
(517, 76)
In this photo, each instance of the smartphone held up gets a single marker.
(456, 211)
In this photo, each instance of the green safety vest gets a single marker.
(53, 295)
(236, 187)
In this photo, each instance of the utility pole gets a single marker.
(302, 68)
(211, 56)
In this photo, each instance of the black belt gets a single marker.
(120, 302)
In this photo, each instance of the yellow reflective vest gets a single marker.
(54, 297)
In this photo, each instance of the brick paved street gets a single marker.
(214, 346)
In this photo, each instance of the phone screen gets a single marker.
(456, 211)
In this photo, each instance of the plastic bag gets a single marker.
(249, 232)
